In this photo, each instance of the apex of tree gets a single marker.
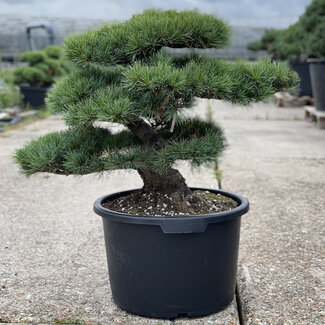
(145, 34)
(124, 78)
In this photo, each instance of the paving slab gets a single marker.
(52, 253)
(279, 164)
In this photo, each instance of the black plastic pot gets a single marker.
(317, 74)
(167, 267)
(33, 96)
(302, 69)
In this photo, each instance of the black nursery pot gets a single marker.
(317, 74)
(33, 96)
(167, 267)
(302, 69)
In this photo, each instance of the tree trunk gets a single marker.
(171, 183)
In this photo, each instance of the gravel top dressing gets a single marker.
(200, 202)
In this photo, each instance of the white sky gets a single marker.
(253, 11)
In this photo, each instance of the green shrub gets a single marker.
(33, 57)
(9, 93)
(31, 75)
(316, 42)
(300, 40)
(288, 43)
(7, 77)
(269, 37)
(313, 24)
(44, 67)
(9, 96)
(254, 46)
(53, 51)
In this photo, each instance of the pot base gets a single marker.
(172, 316)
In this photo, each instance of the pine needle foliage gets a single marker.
(125, 78)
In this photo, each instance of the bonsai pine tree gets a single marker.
(124, 77)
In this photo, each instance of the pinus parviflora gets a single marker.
(125, 78)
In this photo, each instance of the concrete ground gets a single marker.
(52, 256)
(277, 160)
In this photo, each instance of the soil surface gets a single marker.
(156, 204)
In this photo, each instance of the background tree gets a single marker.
(301, 40)
(44, 67)
(269, 36)
(313, 24)
(125, 78)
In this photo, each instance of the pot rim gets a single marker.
(316, 60)
(29, 87)
(172, 224)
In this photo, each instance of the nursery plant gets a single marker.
(290, 45)
(9, 94)
(313, 23)
(301, 42)
(269, 37)
(171, 250)
(43, 69)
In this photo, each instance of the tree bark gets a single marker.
(147, 134)
(171, 182)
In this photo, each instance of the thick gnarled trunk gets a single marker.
(171, 183)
